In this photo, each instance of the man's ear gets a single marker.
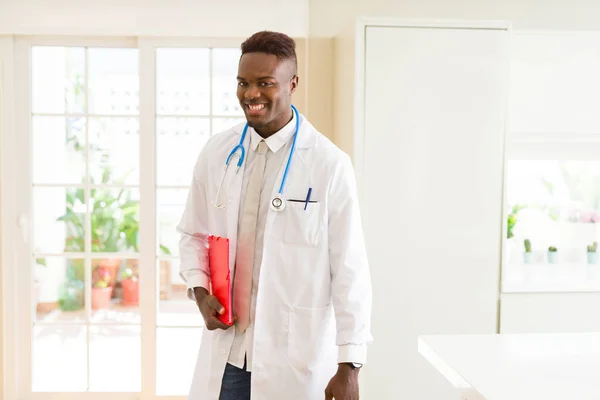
(293, 84)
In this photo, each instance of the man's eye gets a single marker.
(241, 84)
(265, 84)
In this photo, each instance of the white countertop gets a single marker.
(518, 366)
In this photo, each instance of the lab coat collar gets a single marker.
(306, 136)
(277, 140)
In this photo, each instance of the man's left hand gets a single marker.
(343, 385)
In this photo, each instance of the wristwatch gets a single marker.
(354, 365)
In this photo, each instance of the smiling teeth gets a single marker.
(256, 107)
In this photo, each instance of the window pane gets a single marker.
(58, 150)
(176, 347)
(224, 82)
(58, 79)
(59, 359)
(114, 150)
(222, 124)
(170, 205)
(182, 81)
(59, 292)
(115, 290)
(114, 81)
(58, 220)
(175, 308)
(115, 219)
(179, 142)
(553, 204)
(115, 359)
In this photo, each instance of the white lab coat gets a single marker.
(314, 302)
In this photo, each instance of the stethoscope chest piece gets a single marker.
(277, 204)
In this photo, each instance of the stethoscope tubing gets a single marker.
(242, 157)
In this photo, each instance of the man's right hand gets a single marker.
(210, 308)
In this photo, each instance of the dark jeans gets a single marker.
(236, 384)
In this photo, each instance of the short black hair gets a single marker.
(275, 43)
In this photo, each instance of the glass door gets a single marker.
(109, 132)
(195, 97)
(84, 199)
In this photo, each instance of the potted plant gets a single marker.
(101, 289)
(131, 287)
(109, 218)
(114, 228)
(592, 254)
(527, 255)
(130, 277)
(552, 255)
(71, 293)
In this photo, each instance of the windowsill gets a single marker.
(551, 278)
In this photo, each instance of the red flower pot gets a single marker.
(101, 297)
(131, 291)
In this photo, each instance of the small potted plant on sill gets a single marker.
(592, 254)
(552, 255)
(101, 289)
(131, 287)
(527, 255)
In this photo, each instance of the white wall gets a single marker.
(328, 17)
(336, 18)
(206, 18)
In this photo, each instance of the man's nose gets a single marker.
(252, 92)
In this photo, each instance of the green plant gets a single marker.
(102, 284)
(527, 243)
(113, 219)
(593, 247)
(512, 219)
(552, 249)
(128, 273)
(114, 215)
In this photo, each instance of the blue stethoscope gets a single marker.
(277, 202)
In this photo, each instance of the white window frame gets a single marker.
(16, 204)
(8, 219)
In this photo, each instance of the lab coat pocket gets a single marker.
(306, 336)
(300, 226)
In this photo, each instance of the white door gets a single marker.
(107, 134)
(434, 109)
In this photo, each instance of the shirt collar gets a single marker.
(277, 140)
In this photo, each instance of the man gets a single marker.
(301, 283)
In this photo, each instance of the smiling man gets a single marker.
(301, 281)
(267, 77)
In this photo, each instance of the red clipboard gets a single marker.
(220, 279)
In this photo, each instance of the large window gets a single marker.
(110, 140)
(553, 166)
